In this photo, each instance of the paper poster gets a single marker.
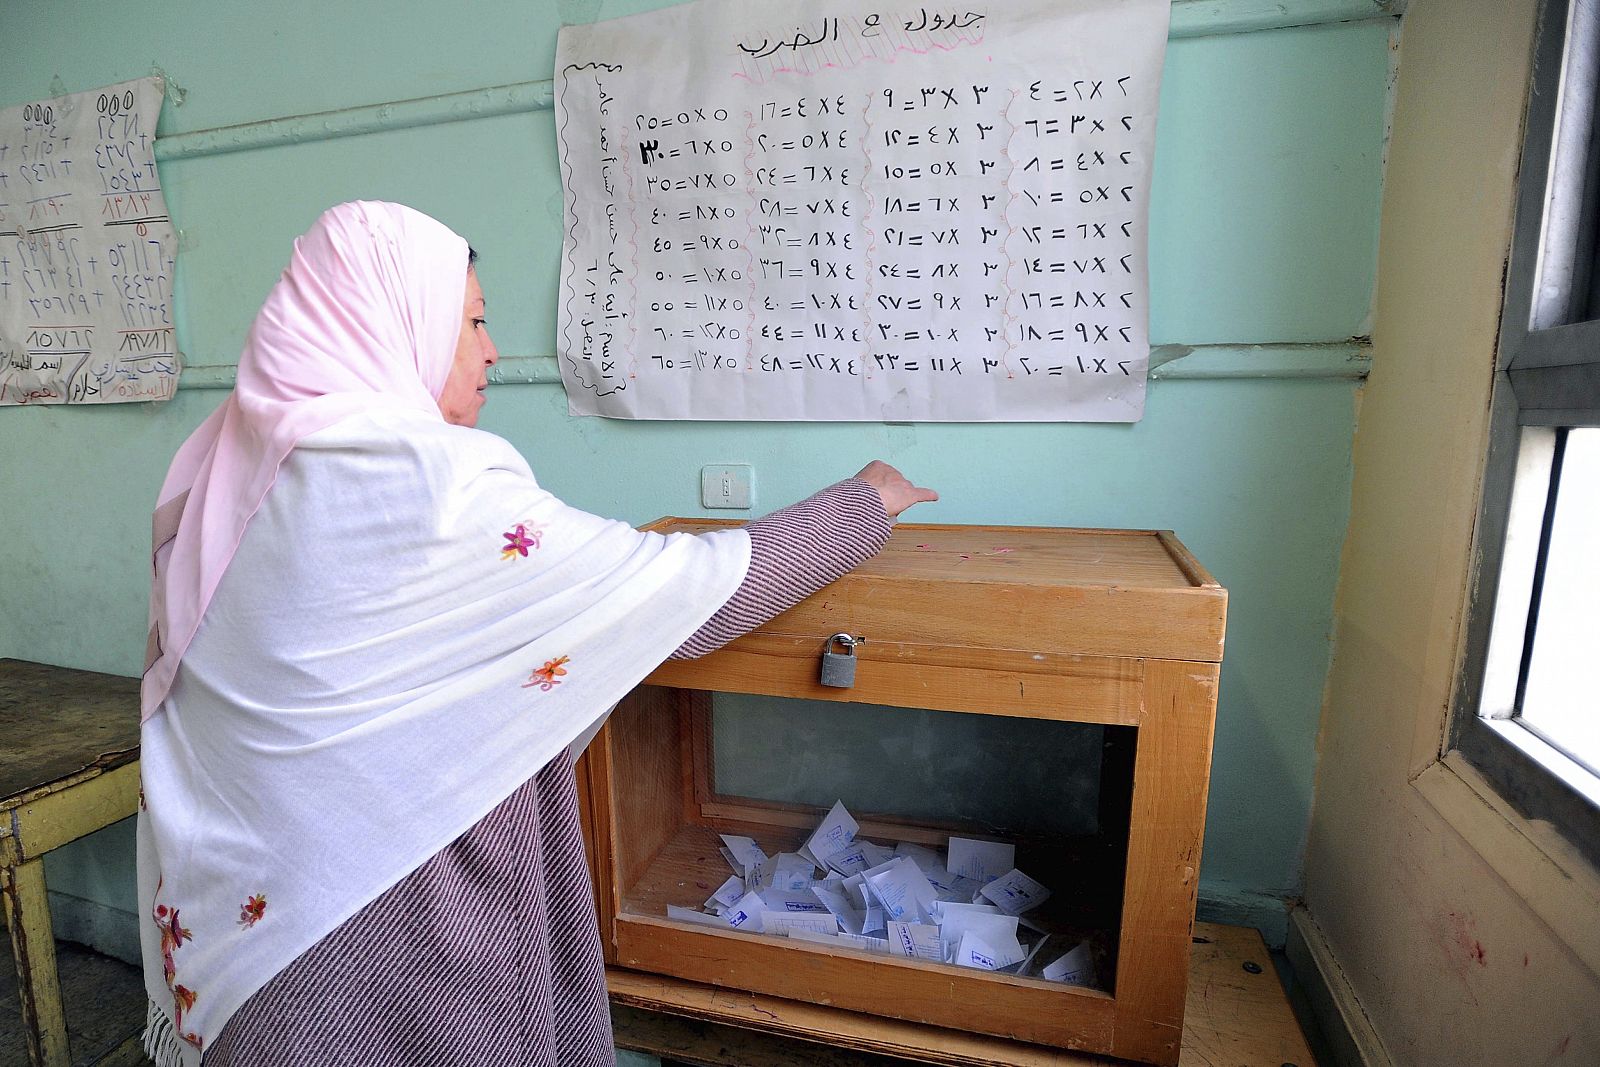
(86, 251)
(835, 211)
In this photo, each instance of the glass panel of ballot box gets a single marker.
(995, 827)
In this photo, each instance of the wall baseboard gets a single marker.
(109, 931)
(1232, 906)
(1349, 1033)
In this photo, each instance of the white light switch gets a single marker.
(726, 485)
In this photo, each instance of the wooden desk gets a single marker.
(69, 766)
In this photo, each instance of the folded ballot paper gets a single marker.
(965, 905)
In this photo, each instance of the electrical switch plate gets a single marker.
(726, 485)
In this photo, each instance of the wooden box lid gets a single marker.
(1134, 593)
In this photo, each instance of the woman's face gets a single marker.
(463, 394)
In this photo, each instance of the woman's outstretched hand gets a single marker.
(897, 493)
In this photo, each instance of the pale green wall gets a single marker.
(1264, 230)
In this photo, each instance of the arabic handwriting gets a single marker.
(828, 31)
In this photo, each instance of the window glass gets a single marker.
(1561, 700)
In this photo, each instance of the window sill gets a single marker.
(1542, 869)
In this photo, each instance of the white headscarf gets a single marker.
(365, 316)
(393, 626)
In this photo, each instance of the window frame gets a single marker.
(1547, 375)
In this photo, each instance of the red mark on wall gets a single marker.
(1464, 929)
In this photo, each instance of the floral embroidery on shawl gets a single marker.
(251, 910)
(548, 676)
(519, 539)
(173, 935)
(183, 1000)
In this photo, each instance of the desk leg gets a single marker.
(27, 911)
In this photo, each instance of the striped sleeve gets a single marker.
(793, 553)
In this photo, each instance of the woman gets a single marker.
(373, 641)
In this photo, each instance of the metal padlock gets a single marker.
(839, 668)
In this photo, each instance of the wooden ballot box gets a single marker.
(1052, 688)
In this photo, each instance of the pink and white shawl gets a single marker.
(367, 626)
